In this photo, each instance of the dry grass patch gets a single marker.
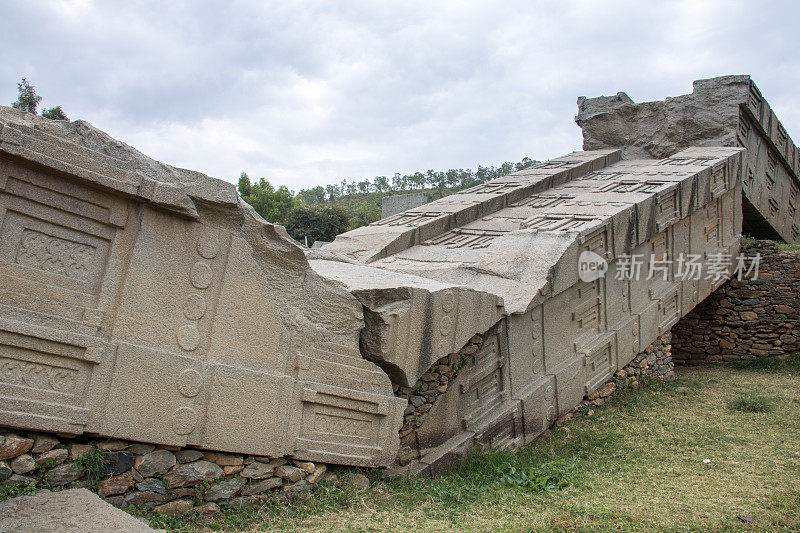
(652, 459)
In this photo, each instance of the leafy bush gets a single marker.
(318, 223)
(548, 476)
(9, 489)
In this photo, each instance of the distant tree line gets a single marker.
(430, 179)
(322, 212)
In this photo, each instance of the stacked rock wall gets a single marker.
(165, 478)
(746, 318)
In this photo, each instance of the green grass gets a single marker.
(92, 462)
(749, 403)
(651, 459)
(790, 364)
(748, 241)
(787, 246)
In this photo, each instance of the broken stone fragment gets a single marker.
(53, 457)
(188, 455)
(262, 486)
(140, 498)
(152, 485)
(208, 508)
(5, 471)
(224, 490)
(175, 507)
(223, 459)
(115, 485)
(359, 481)
(14, 446)
(155, 462)
(112, 445)
(141, 449)
(23, 464)
(257, 470)
(43, 443)
(64, 474)
(77, 451)
(191, 473)
(319, 471)
(291, 474)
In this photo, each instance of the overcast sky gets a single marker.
(307, 93)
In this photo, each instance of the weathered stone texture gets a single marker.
(724, 111)
(746, 318)
(552, 338)
(150, 303)
(67, 511)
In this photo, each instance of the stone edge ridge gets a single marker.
(82, 151)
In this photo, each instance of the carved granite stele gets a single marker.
(150, 303)
(503, 257)
(723, 111)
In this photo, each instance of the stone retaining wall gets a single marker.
(432, 384)
(166, 479)
(747, 318)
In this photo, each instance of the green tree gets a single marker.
(55, 113)
(271, 203)
(313, 196)
(381, 183)
(318, 223)
(331, 191)
(365, 214)
(245, 189)
(27, 100)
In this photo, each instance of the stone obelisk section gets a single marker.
(150, 303)
(724, 111)
(508, 251)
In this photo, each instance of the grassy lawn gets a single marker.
(651, 459)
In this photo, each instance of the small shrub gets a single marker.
(10, 489)
(548, 476)
(41, 469)
(92, 462)
(751, 404)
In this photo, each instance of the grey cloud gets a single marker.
(309, 93)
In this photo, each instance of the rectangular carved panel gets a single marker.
(345, 426)
(45, 377)
(600, 363)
